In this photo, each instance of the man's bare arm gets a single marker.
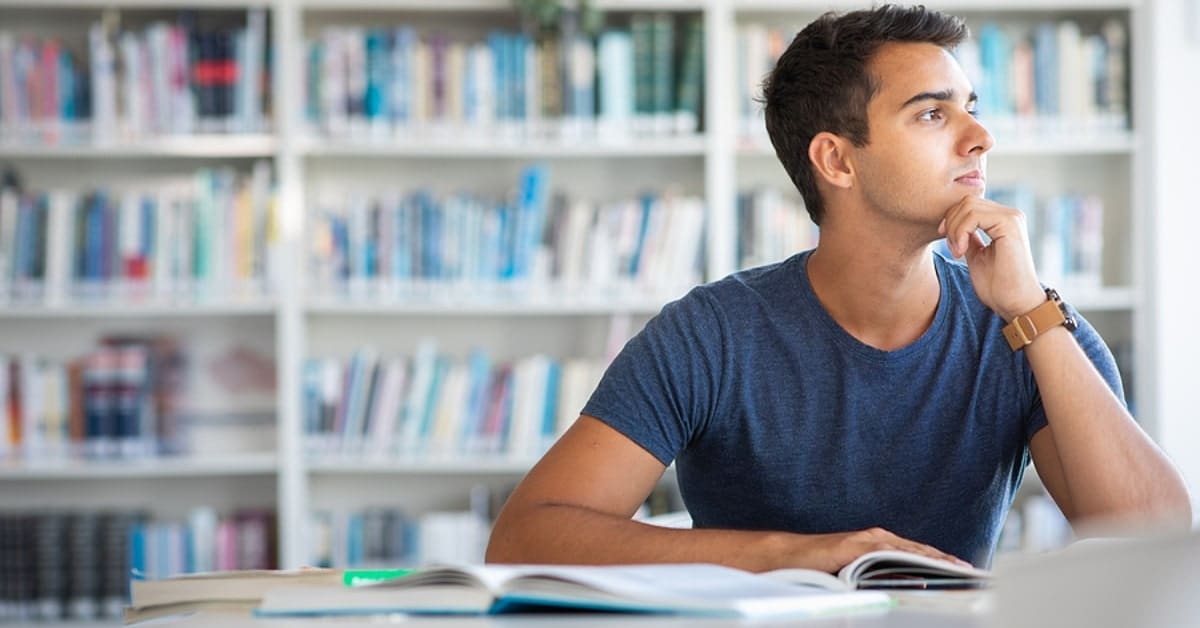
(1095, 460)
(575, 507)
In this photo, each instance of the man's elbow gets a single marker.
(502, 545)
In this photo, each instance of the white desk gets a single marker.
(897, 618)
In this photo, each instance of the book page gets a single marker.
(808, 578)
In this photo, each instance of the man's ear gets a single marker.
(828, 154)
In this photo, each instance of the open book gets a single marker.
(698, 589)
(890, 569)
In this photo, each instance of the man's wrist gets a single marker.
(1023, 306)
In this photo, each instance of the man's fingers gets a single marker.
(975, 245)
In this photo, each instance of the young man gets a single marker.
(868, 394)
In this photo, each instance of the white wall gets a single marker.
(1171, 127)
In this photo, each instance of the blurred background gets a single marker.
(314, 282)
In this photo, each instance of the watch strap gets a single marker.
(1025, 328)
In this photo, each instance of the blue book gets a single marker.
(550, 409)
(315, 59)
(375, 95)
(995, 53)
(615, 63)
(636, 258)
(93, 267)
(497, 45)
(520, 45)
(431, 235)
(403, 46)
(531, 216)
(354, 540)
(149, 207)
(480, 368)
(508, 239)
(1045, 69)
(137, 551)
(402, 243)
(441, 366)
(470, 96)
(491, 253)
(67, 86)
(310, 390)
(341, 246)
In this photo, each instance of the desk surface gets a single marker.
(896, 618)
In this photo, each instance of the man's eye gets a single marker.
(929, 116)
(974, 112)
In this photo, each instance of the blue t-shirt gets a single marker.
(778, 419)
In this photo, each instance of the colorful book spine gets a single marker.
(365, 83)
(213, 239)
(392, 245)
(450, 408)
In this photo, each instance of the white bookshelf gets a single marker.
(152, 308)
(536, 149)
(299, 324)
(424, 466)
(191, 147)
(558, 307)
(154, 467)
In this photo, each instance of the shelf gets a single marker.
(136, 4)
(972, 6)
(1104, 299)
(190, 147)
(260, 307)
(480, 307)
(352, 464)
(178, 467)
(494, 5)
(1026, 146)
(688, 146)
(450, 465)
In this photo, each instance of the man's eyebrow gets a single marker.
(945, 95)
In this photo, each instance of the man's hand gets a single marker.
(1002, 272)
(831, 552)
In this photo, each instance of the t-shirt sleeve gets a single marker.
(1092, 345)
(664, 385)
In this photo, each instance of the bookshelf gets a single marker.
(295, 322)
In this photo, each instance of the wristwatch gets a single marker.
(1024, 328)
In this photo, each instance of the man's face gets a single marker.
(926, 149)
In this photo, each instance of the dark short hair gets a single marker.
(821, 82)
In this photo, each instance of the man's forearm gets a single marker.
(1112, 469)
(549, 533)
(569, 534)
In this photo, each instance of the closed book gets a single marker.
(224, 586)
